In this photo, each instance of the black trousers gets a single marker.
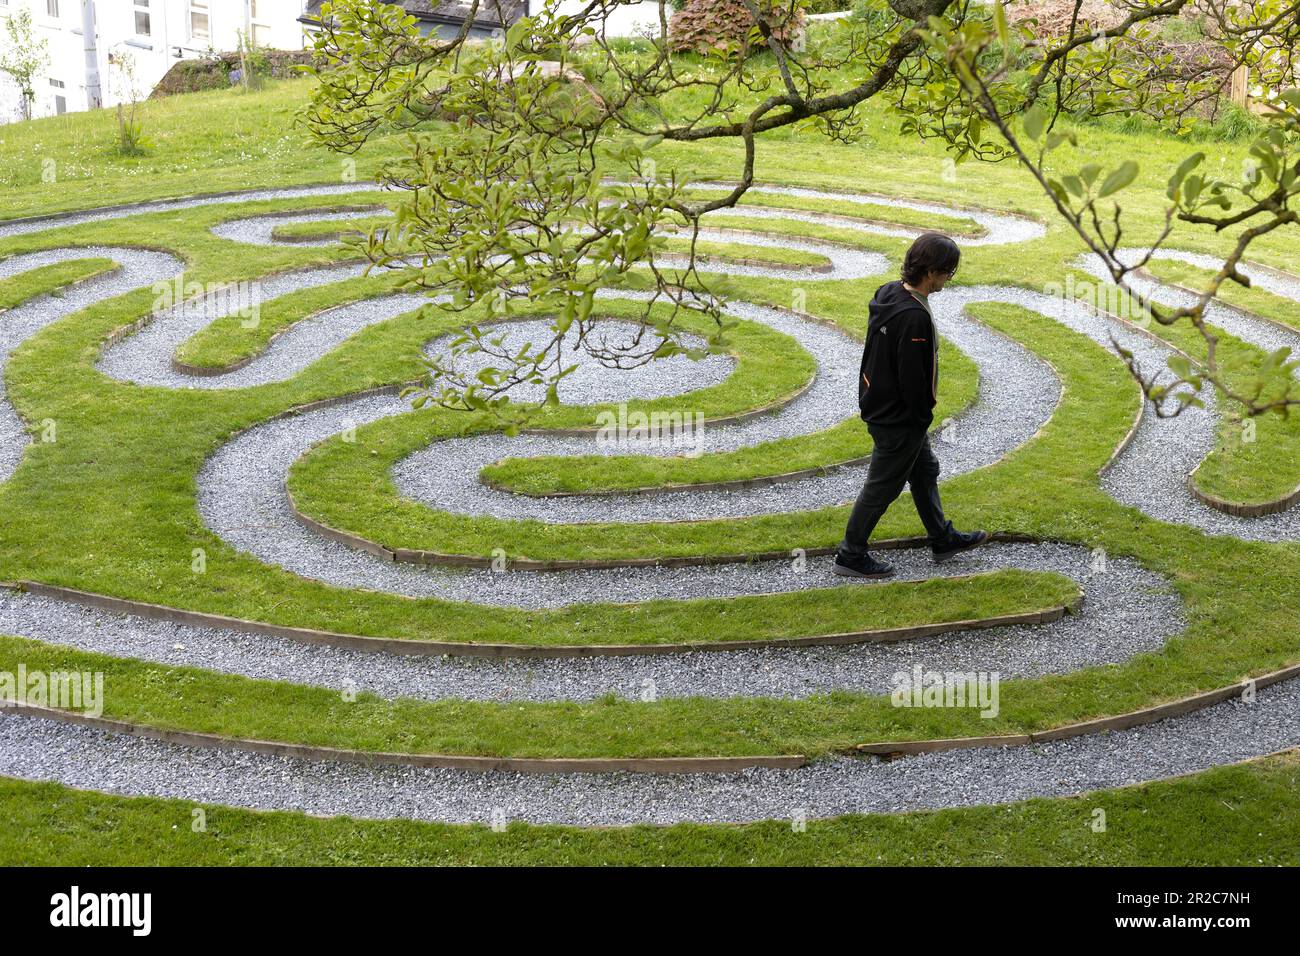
(902, 456)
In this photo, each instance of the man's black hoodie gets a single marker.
(899, 377)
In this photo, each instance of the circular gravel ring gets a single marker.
(1126, 611)
(1269, 696)
(1225, 733)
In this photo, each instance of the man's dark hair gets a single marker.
(932, 252)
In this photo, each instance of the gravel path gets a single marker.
(1227, 732)
(995, 228)
(137, 268)
(1152, 473)
(1012, 405)
(1127, 609)
(844, 262)
(23, 227)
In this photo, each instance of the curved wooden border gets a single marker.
(445, 559)
(761, 481)
(662, 765)
(363, 186)
(1234, 508)
(1239, 509)
(841, 220)
(891, 749)
(731, 418)
(723, 185)
(277, 748)
(422, 556)
(113, 269)
(216, 371)
(153, 205)
(419, 648)
(728, 484)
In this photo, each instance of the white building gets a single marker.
(156, 33)
(445, 17)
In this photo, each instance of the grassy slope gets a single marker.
(253, 149)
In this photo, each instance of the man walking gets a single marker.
(897, 388)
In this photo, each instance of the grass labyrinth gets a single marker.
(266, 472)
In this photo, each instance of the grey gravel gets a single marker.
(145, 357)
(998, 228)
(58, 221)
(1017, 393)
(243, 500)
(1228, 732)
(1126, 611)
(138, 268)
(844, 263)
(259, 230)
(1152, 473)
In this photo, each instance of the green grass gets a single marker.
(1251, 463)
(706, 250)
(865, 211)
(1227, 589)
(50, 279)
(1250, 809)
(321, 479)
(146, 445)
(724, 252)
(61, 163)
(126, 460)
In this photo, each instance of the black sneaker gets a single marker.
(860, 566)
(958, 542)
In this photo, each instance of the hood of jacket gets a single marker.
(890, 301)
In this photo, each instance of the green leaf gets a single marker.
(1034, 122)
(1121, 177)
(1004, 32)
(1181, 173)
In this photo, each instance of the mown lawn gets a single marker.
(1230, 816)
(127, 457)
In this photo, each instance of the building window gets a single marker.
(57, 84)
(52, 8)
(143, 27)
(260, 29)
(199, 25)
